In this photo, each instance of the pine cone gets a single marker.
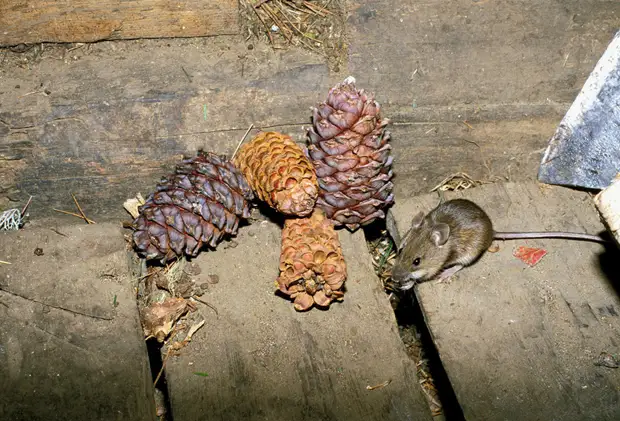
(197, 205)
(279, 172)
(312, 267)
(348, 145)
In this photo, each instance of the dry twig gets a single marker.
(26, 206)
(80, 209)
(378, 386)
(317, 9)
(468, 125)
(283, 28)
(90, 221)
(313, 24)
(207, 304)
(241, 141)
(457, 181)
(163, 366)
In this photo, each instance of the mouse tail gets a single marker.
(551, 234)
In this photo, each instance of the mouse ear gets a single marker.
(417, 220)
(440, 234)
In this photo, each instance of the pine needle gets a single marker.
(242, 140)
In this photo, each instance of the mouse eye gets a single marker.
(416, 261)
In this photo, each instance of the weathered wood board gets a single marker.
(32, 21)
(265, 361)
(519, 342)
(108, 143)
(71, 344)
(119, 114)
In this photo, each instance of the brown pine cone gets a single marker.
(348, 145)
(197, 205)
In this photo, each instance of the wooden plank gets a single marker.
(32, 21)
(519, 342)
(265, 361)
(112, 127)
(71, 342)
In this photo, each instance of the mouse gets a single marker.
(452, 236)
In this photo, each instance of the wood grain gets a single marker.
(32, 21)
(519, 342)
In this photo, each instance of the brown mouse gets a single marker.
(454, 235)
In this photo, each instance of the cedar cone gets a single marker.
(197, 205)
(312, 267)
(348, 145)
(279, 173)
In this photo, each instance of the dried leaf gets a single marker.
(158, 319)
(133, 205)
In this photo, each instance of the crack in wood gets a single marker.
(34, 126)
(92, 316)
(233, 129)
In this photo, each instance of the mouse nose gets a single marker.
(399, 273)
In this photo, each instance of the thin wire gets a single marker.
(10, 220)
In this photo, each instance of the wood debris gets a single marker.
(378, 386)
(383, 253)
(317, 25)
(81, 215)
(456, 182)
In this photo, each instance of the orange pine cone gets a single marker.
(312, 267)
(279, 172)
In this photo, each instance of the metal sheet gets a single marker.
(585, 149)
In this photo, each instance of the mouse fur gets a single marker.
(451, 236)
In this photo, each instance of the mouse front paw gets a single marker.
(446, 274)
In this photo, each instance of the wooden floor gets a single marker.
(520, 342)
(71, 343)
(472, 86)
